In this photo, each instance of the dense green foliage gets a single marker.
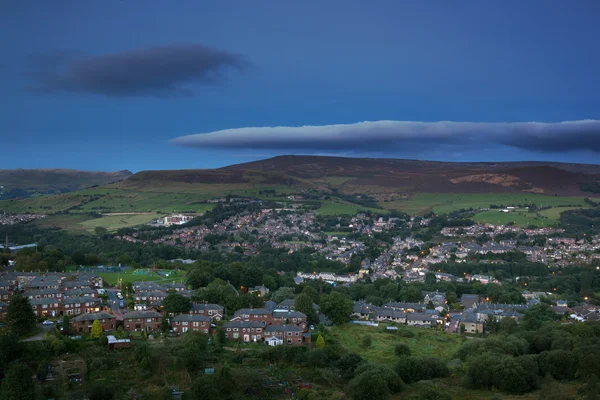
(19, 315)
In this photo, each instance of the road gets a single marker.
(113, 302)
(39, 336)
(454, 323)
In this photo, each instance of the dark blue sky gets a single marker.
(107, 85)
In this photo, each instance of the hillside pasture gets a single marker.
(443, 203)
(337, 206)
(422, 341)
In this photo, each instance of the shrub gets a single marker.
(402, 350)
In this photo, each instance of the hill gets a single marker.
(364, 175)
(30, 182)
(333, 185)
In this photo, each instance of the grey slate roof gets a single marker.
(141, 314)
(244, 324)
(191, 318)
(93, 316)
(283, 328)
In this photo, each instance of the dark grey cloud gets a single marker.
(389, 136)
(158, 71)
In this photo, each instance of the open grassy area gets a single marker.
(548, 217)
(519, 218)
(84, 223)
(424, 341)
(114, 222)
(443, 203)
(111, 278)
(337, 206)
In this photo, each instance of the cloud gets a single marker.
(395, 136)
(157, 71)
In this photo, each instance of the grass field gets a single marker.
(443, 203)
(546, 218)
(337, 206)
(425, 342)
(111, 278)
(84, 223)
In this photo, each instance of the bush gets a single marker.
(402, 350)
(317, 357)
(414, 369)
(367, 341)
(348, 364)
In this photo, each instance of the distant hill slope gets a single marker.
(412, 176)
(28, 182)
(383, 179)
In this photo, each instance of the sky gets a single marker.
(138, 85)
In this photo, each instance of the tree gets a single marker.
(96, 330)
(320, 342)
(176, 303)
(369, 385)
(312, 293)
(66, 325)
(337, 307)
(100, 231)
(17, 384)
(508, 325)
(283, 293)
(348, 364)
(402, 350)
(102, 391)
(19, 315)
(304, 304)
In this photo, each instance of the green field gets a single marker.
(546, 218)
(85, 223)
(519, 218)
(111, 278)
(425, 341)
(337, 206)
(443, 203)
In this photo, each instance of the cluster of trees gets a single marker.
(515, 359)
(581, 221)
(505, 270)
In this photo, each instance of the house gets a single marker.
(80, 292)
(44, 282)
(288, 317)
(154, 297)
(437, 298)
(287, 304)
(81, 305)
(383, 314)
(178, 287)
(142, 286)
(469, 300)
(213, 311)
(247, 331)
(83, 323)
(472, 323)
(46, 307)
(42, 293)
(253, 314)
(260, 290)
(191, 322)
(146, 321)
(424, 320)
(290, 334)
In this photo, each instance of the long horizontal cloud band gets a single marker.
(157, 71)
(392, 135)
